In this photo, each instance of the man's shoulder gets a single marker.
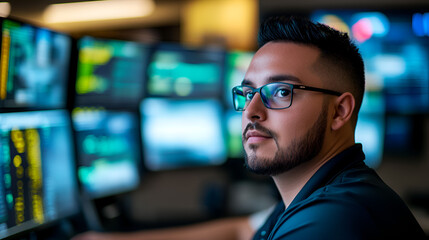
(361, 186)
(327, 216)
(349, 206)
(360, 192)
(332, 206)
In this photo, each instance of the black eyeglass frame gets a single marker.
(292, 87)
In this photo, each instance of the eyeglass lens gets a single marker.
(273, 95)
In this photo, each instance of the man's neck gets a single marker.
(291, 182)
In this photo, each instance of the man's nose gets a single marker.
(255, 109)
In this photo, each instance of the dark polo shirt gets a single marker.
(344, 199)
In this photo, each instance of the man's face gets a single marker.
(276, 141)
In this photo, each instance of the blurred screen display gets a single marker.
(395, 49)
(38, 183)
(108, 146)
(34, 70)
(370, 132)
(404, 135)
(110, 72)
(236, 66)
(176, 71)
(234, 134)
(182, 133)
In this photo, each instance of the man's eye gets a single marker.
(282, 92)
(248, 95)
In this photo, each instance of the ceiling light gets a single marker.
(4, 9)
(97, 10)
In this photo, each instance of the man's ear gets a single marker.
(344, 107)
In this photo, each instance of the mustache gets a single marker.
(258, 127)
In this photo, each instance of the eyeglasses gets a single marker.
(277, 95)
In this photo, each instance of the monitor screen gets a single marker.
(404, 136)
(237, 63)
(34, 70)
(177, 71)
(38, 183)
(370, 127)
(395, 48)
(182, 133)
(234, 134)
(370, 133)
(108, 151)
(110, 72)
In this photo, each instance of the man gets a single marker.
(300, 101)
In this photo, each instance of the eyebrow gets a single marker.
(274, 78)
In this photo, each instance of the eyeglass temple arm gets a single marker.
(318, 90)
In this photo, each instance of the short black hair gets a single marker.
(335, 46)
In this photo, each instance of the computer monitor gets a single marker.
(108, 151)
(404, 136)
(178, 71)
(395, 49)
(34, 72)
(182, 133)
(370, 127)
(38, 181)
(237, 63)
(370, 133)
(110, 73)
(234, 134)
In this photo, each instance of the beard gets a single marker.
(286, 158)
